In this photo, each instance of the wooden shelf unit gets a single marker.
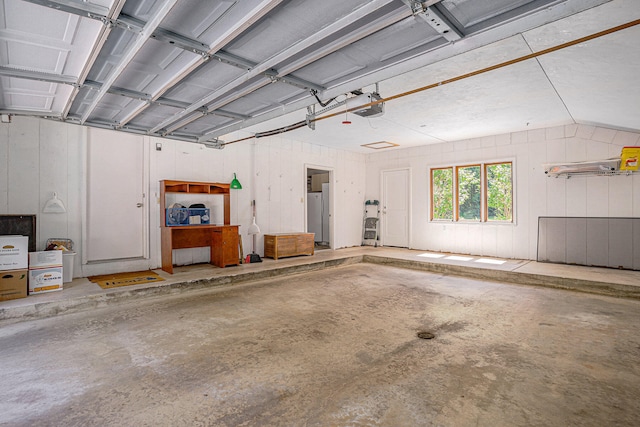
(220, 238)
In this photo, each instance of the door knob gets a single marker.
(139, 205)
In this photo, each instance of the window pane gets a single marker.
(499, 192)
(442, 193)
(469, 192)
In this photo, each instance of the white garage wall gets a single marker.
(39, 157)
(535, 193)
(277, 183)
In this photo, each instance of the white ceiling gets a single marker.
(204, 71)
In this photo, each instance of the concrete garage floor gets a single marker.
(331, 348)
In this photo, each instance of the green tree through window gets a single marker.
(442, 191)
(469, 207)
(499, 192)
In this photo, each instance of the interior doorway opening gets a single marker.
(318, 207)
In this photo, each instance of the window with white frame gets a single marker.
(481, 192)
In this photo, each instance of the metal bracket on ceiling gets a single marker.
(441, 24)
(216, 143)
(272, 74)
(420, 6)
(107, 22)
(311, 116)
(425, 9)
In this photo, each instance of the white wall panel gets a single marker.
(461, 238)
(597, 196)
(4, 169)
(23, 164)
(537, 188)
(504, 241)
(38, 157)
(576, 196)
(53, 179)
(556, 188)
(557, 196)
(489, 240)
(620, 196)
(274, 185)
(535, 194)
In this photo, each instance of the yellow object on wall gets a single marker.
(630, 158)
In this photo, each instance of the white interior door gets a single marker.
(395, 208)
(116, 202)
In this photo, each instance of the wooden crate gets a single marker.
(282, 245)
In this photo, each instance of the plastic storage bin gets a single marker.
(67, 266)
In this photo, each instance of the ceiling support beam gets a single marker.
(293, 81)
(230, 115)
(236, 61)
(272, 62)
(87, 10)
(31, 113)
(37, 75)
(114, 90)
(129, 54)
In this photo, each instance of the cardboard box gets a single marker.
(13, 284)
(45, 259)
(45, 280)
(14, 252)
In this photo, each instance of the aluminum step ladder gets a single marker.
(371, 222)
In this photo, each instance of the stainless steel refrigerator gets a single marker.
(318, 214)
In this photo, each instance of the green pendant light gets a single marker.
(235, 184)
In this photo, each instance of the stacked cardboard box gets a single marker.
(45, 271)
(13, 267)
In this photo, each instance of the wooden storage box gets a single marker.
(282, 245)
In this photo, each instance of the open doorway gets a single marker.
(318, 205)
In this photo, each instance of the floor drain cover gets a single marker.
(426, 335)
